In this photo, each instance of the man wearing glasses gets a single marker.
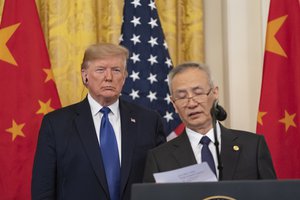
(243, 155)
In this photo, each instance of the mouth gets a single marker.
(194, 114)
(108, 88)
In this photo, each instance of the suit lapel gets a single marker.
(85, 126)
(229, 153)
(129, 135)
(183, 152)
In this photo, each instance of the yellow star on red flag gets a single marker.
(272, 44)
(5, 35)
(260, 115)
(49, 75)
(16, 130)
(45, 107)
(288, 120)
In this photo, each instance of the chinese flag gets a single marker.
(28, 92)
(279, 109)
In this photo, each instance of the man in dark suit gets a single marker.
(243, 155)
(69, 162)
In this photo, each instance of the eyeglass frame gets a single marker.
(192, 97)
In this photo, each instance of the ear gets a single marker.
(84, 75)
(125, 76)
(174, 105)
(216, 92)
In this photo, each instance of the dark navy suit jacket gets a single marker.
(68, 163)
(251, 160)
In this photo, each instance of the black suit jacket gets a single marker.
(68, 163)
(251, 161)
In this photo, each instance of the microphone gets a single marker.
(218, 111)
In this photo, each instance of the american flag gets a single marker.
(149, 62)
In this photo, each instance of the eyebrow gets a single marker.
(105, 67)
(192, 89)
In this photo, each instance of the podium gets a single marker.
(229, 190)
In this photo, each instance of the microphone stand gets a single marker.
(214, 121)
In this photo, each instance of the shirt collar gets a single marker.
(95, 106)
(195, 137)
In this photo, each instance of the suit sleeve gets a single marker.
(150, 168)
(44, 167)
(160, 137)
(265, 164)
(150, 165)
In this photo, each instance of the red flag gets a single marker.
(279, 109)
(28, 92)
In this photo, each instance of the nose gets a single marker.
(191, 101)
(108, 74)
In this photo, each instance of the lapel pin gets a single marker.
(236, 148)
(132, 120)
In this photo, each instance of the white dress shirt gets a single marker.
(114, 118)
(195, 138)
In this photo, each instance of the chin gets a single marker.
(110, 98)
(197, 123)
(108, 94)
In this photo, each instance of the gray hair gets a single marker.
(188, 65)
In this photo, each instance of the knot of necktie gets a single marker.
(105, 110)
(205, 140)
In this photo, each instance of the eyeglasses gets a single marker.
(199, 98)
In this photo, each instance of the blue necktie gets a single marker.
(110, 155)
(206, 154)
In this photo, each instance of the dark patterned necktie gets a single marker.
(206, 154)
(110, 155)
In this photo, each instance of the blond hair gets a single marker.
(103, 50)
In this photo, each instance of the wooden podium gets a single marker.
(229, 190)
